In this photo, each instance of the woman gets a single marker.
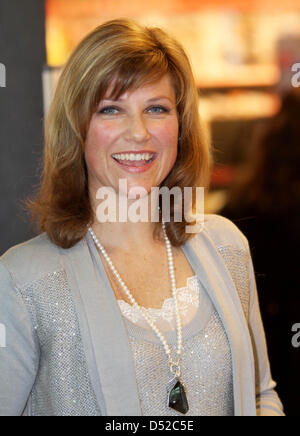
(91, 326)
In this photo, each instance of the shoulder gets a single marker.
(233, 247)
(30, 260)
(224, 232)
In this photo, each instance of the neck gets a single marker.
(127, 235)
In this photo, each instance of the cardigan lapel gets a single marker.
(96, 304)
(209, 266)
(97, 307)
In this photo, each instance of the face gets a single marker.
(140, 122)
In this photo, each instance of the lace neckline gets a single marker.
(195, 308)
(164, 317)
(166, 301)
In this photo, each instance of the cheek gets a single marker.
(97, 143)
(98, 138)
(168, 140)
(93, 146)
(168, 134)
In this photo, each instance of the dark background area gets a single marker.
(22, 51)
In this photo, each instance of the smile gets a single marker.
(135, 162)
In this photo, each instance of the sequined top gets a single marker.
(66, 350)
(206, 358)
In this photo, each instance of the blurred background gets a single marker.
(246, 60)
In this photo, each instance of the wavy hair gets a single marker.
(134, 55)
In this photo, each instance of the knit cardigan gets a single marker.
(66, 351)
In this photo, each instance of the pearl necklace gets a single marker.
(176, 391)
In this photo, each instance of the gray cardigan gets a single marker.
(67, 350)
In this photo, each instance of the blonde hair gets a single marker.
(133, 55)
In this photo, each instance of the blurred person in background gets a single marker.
(265, 204)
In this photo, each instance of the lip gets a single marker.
(134, 152)
(136, 170)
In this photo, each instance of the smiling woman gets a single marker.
(137, 136)
(72, 298)
(129, 89)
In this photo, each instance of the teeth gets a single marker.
(134, 157)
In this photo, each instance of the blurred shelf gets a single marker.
(238, 105)
(238, 76)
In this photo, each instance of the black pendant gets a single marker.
(177, 398)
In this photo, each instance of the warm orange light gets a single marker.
(58, 46)
(230, 42)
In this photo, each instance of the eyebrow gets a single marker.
(160, 97)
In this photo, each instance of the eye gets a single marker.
(109, 110)
(158, 109)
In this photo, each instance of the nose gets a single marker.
(137, 130)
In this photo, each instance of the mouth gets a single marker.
(135, 162)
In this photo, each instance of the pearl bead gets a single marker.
(131, 298)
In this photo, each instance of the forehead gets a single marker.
(162, 87)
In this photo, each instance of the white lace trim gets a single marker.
(164, 318)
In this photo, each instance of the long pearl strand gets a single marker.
(174, 365)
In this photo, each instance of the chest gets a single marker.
(146, 275)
